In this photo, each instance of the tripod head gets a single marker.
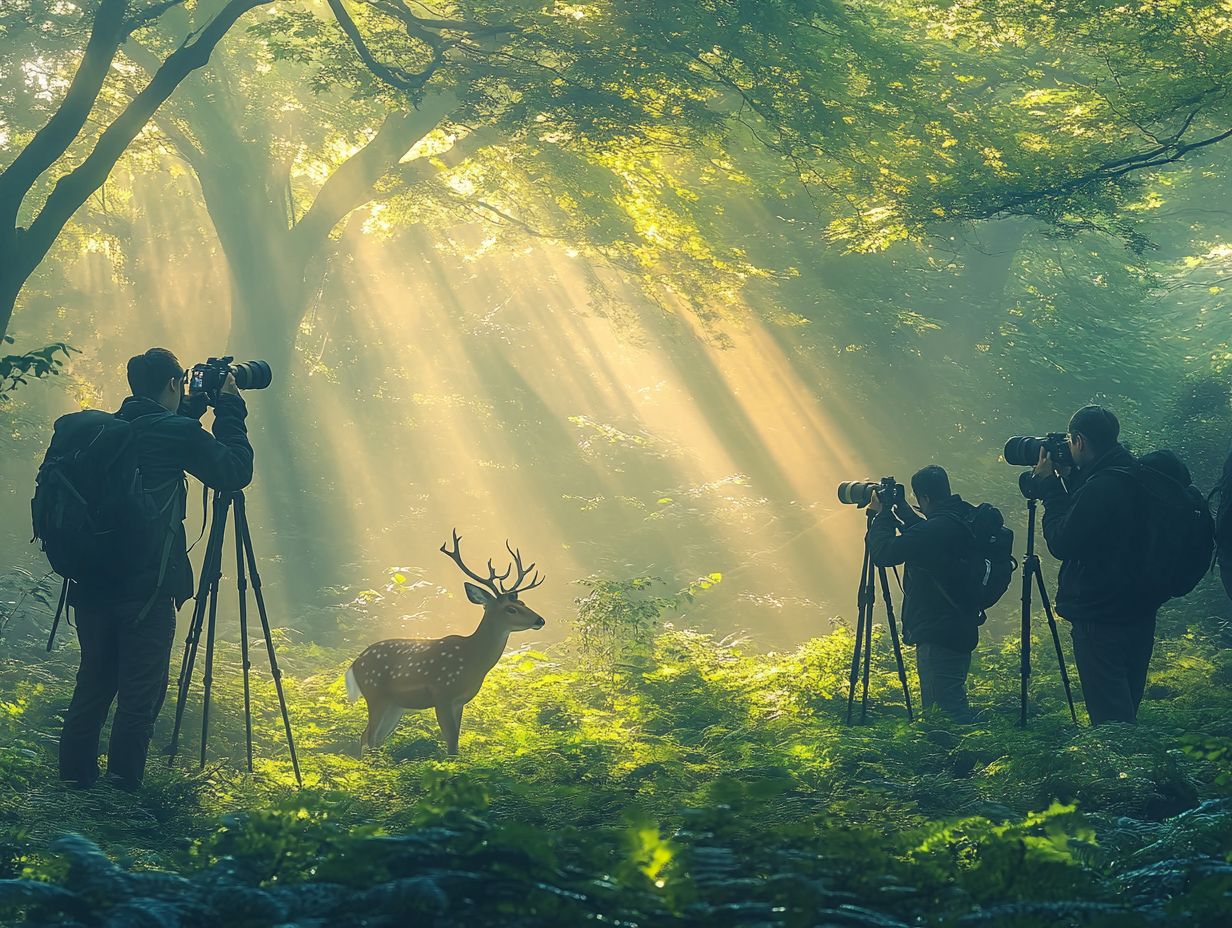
(1027, 486)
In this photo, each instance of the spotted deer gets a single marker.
(443, 673)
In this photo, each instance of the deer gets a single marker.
(402, 674)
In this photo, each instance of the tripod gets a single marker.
(206, 602)
(865, 600)
(1032, 570)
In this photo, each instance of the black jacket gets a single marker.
(933, 550)
(1094, 531)
(167, 446)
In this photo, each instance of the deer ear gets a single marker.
(478, 595)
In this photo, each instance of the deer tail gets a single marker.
(352, 685)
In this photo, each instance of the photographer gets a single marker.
(1092, 524)
(126, 626)
(933, 548)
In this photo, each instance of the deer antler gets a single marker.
(490, 581)
(517, 587)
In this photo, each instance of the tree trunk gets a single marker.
(269, 295)
(11, 279)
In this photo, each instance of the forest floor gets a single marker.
(697, 782)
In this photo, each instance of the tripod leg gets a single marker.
(861, 607)
(871, 599)
(241, 580)
(242, 517)
(898, 648)
(209, 655)
(211, 564)
(1056, 641)
(1025, 647)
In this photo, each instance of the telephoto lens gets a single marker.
(252, 375)
(857, 492)
(1024, 451)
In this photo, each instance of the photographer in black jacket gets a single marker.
(933, 548)
(1092, 524)
(126, 627)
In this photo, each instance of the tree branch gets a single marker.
(1112, 170)
(143, 18)
(54, 139)
(188, 149)
(393, 75)
(74, 188)
(419, 170)
(351, 185)
(420, 27)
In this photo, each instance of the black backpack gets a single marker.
(91, 513)
(994, 554)
(1178, 530)
(990, 564)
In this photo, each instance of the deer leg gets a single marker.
(449, 720)
(374, 713)
(457, 717)
(386, 724)
(382, 720)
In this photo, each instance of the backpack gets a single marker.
(994, 554)
(1179, 531)
(90, 512)
(990, 565)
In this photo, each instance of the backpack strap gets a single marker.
(169, 531)
(945, 595)
(975, 542)
(168, 538)
(61, 610)
(205, 511)
(936, 582)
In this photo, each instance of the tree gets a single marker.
(114, 21)
(595, 120)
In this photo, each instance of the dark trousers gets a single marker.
(943, 680)
(122, 661)
(1112, 664)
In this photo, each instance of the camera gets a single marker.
(1023, 451)
(209, 377)
(860, 492)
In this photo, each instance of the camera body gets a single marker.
(208, 378)
(861, 492)
(1024, 451)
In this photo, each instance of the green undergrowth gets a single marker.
(696, 781)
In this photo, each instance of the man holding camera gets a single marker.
(935, 618)
(126, 626)
(1092, 524)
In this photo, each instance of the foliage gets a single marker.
(720, 788)
(15, 369)
(619, 619)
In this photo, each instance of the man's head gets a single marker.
(1093, 431)
(157, 375)
(931, 485)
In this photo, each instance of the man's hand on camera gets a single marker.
(874, 504)
(1043, 468)
(229, 386)
(1046, 468)
(193, 405)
